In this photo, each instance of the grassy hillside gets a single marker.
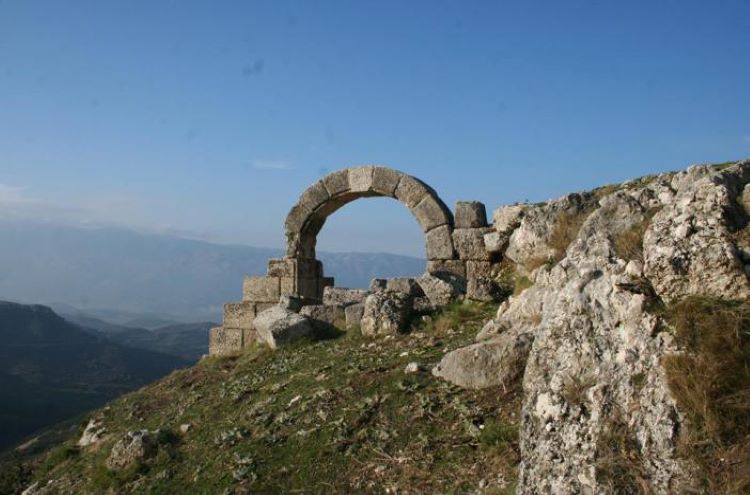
(337, 415)
(51, 369)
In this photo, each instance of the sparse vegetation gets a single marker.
(619, 467)
(628, 244)
(711, 382)
(339, 415)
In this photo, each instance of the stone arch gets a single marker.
(319, 201)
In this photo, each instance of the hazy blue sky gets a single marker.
(209, 118)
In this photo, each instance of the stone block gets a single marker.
(337, 182)
(439, 243)
(455, 267)
(314, 195)
(469, 244)
(309, 288)
(404, 285)
(430, 214)
(386, 313)
(324, 316)
(261, 289)
(496, 242)
(385, 181)
(281, 267)
(224, 341)
(478, 269)
(260, 307)
(296, 218)
(340, 296)
(239, 315)
(360, 179)
(410, 191)
(292, 303)
(309, 268)
(470, 215)
(288, 286)
(276, 326)
(353, 314)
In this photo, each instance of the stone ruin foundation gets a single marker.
(460, 248)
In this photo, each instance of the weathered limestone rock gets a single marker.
(486, 364)
(353, 314)
(442, 290)
(261, 289)
(224, 341)
(339, 296)
(688, 246)
(453, 268)
(530, 241)
(277, 326)
(593, 333)
(470, 215)
(507, 218)
(439, 243)
(93, 433)
(495, 242)
(385, 313)
(484, 289)
(469, 244)
(239, 315)
(132, 448)
(324, 316)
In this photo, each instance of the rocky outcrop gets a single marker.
(595, 364)
(134, 447)
(689, 247)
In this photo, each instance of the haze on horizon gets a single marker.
(208, 119)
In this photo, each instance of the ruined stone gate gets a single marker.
(454, 244)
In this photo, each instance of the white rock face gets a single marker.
(277, 325)
(688, 248)
(531, 239)
(595, 360)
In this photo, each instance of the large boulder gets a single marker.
(133, 448)
(495, 362)
(277, 325)
(385, 313)
(442, 289)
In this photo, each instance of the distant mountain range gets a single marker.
(110, 273)
(187, 341)
(52, 369)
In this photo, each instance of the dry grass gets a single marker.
(575, 387)
(629, 243)
(566, 230)
(620, 464)
(711, 383)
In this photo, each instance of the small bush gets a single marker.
(711, 383)
(496, 434)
